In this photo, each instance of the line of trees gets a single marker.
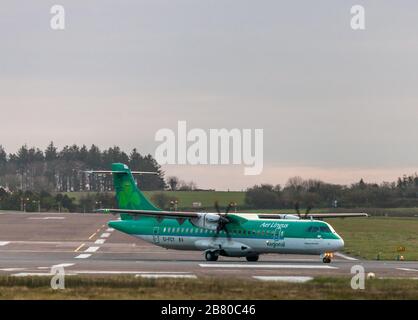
(53, 170)
(318, 194)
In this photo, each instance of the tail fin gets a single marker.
(128, 196)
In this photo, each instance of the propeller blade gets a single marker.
(228, 208)
(218, 210)
(307, 211)
(297, 208)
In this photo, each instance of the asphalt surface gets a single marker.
(32, 243)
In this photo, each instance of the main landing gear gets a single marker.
(252, 258)
(211, 256)
(327, 257)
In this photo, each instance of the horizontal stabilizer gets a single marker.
(110, 172)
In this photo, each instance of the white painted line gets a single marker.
(123, 272)
(12, 269)
(294, 279)
(155, 276)
(339, 254)
(91, 249)
(3, 243)
(48, 218)
(83, 256)
(63, 265)
(265, 266)
(407, 269)
(110, 229)
(105, 235)
(100, 241)
(29, 274)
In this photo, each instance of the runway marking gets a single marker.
(265, 266)
(4, 243)
(91, 249)
(12, 269)
(30, 274)
(294, 279)
(48, 218)
(63, 265)
(407, 269)
(339, 254)
(125, 272)
(79, 247)
(155, 276)
(83, 256)
(92, 235)
(105, 235)
(110, 229)
(37, 242)
(100, 241)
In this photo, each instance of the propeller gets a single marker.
(308, 209)
(223, 219)
(297, 209)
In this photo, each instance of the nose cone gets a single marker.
(339, 244)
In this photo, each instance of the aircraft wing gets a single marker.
(337, 215)
(312, 215)
(152, 213)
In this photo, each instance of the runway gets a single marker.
(32, 243)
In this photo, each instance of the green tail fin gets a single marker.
(128, 196)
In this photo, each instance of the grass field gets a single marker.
(208, 198)
(186, 198)
(367, 237)
(128, 287)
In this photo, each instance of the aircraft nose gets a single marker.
(340, 244)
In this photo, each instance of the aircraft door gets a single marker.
(278, 238)
(156, 234)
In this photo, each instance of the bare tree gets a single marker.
(173, 182)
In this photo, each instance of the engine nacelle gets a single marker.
(289, 216)
(208, 221)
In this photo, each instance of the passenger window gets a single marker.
(314, 229)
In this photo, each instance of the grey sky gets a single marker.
(329, 99)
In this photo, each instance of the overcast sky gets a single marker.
(334, 103)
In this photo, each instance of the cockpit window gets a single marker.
(313, 229)
(325, 229)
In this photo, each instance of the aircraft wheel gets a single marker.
(252, 258)
(326, 260)
(211, 256)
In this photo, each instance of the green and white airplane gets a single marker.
(226, 234)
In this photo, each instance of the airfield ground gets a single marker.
(31, 243)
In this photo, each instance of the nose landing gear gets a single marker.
(327, 257)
